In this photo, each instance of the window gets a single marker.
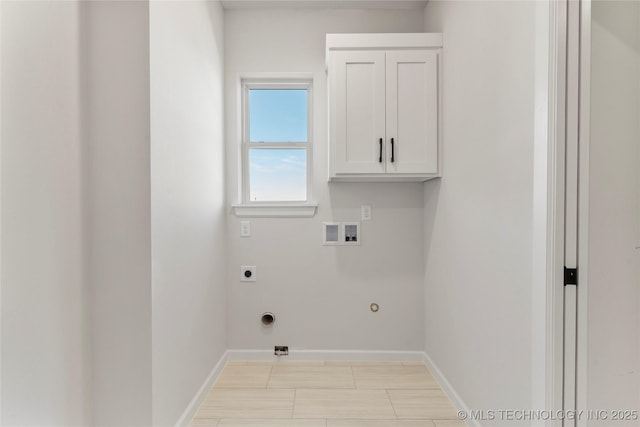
(276, 141)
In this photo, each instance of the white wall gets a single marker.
(187, 201)
(614, 295)
(78, 190)
(115, 41)
(45, 342)
(479, 216)
(321, 295)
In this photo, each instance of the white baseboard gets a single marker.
(327, 355)
(448, 389)
(188, 413)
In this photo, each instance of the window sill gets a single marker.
(275, 210)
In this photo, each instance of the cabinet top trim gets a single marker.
(383, 41)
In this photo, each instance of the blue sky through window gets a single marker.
(277, 174)
(277, 116)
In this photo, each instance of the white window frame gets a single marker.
(247, 207)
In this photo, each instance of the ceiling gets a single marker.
(324, 4)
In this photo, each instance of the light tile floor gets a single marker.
(326, 394)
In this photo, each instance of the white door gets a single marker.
(412, 112)
(358, 111)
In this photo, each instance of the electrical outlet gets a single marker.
(248, 273)
(245, 229)
(281, 350)
(365, 212)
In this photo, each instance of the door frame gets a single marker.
(561, 39)
(549, 180)
(583, 208)
(0, 218)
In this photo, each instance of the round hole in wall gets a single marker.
(268, 319)
(374, 307)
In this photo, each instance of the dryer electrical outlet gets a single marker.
(248, 273)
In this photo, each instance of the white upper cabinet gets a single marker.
(358, 111)
(383, 106)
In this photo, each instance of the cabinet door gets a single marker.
(357, 111)
(412, 112)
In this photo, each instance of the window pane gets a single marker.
(278, 115)
(277, 174)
